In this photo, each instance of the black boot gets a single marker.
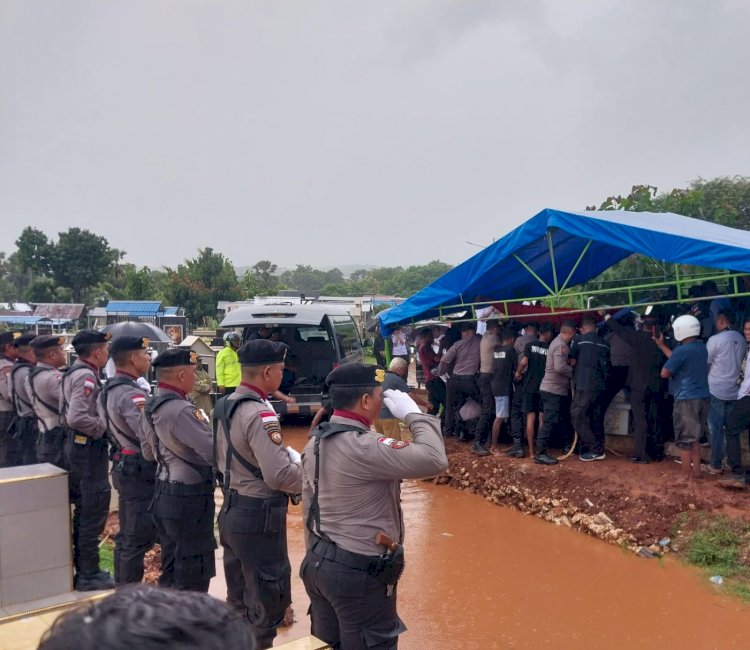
(543, 458)
(516, 451)
(479, 449)
(94, 582)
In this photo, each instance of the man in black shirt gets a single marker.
(589, 356)
(531, 368)
(505, 361)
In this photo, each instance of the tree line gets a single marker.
(81, 266)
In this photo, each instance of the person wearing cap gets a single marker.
(23, 429)
(178, 437)
(43, 384)
(228, 374)
(86, 456)
(644, 381)
(351, 493)
(259, 473)
(554, 389)
(8, 355)
(121, 403)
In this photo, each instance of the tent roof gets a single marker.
(552, 242)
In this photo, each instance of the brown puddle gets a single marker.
(483, 576)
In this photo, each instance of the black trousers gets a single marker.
(553, 406)
(739, 420)
(256, 562)
(184, 516)
(8, 444)
(349, 609)
(617, 379)
(517, 417)
(584, 412)
(641, 404)
(50, 447)
(24, 431)
(487, 402)
(88, 464)
(461, 388)
(436, 395)
(134, 481)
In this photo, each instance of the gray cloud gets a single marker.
(339, 132)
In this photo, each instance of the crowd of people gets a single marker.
(538, 383)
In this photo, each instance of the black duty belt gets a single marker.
(457, 376)
(236, 500)
(184, 489)
(330, 551)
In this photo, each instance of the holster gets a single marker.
(389, 566)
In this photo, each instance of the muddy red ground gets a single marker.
(644, 500)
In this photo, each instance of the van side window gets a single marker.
(346, 333)
(311, 333)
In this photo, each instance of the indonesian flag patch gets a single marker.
(270, 422)
(139, 401)
(393, 443)
(89, 384)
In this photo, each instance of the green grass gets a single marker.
(107, 556)
(719, 546)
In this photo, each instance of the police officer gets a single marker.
(23, 428)
(43, 384)
(259, 473)
(121, 403)
(8, 355)
(178, 437)
(351, 493)
(86, 457)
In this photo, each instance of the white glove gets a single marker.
(399, 403)
(294, 455)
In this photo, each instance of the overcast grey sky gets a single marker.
(381, 132)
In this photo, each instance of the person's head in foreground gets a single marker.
(147, 617)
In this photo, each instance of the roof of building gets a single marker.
(134, 307)
(68, 311)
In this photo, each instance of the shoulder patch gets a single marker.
(199, 415)
(275, 436)
(89, 383)
(393, 443)
(139, 401)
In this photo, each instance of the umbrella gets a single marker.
(133, 328)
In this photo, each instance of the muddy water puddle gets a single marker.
(483, 576)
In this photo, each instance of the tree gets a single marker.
(35, 251)
(265, 277)
(199, 283)
(45, 290)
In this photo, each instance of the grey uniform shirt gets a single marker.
(125, 404)
(79, 393)
(19, 390)
(558, 372)
(359, 482)
(521, 341)
(465, 351)
(180, 433)
(44, 388)
(6, 404)
(256, 436)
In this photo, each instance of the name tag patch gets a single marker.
(80, 440)
(393, 443)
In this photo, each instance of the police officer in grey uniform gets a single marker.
(351, 494)
(121, 403)
(259, 473)
(8, 354)
(23, 428)
(43, 384)
(86, 457)
(177, 436)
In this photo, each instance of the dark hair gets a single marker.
(426, 331)
(150, 618)
(727, 315)
(121, 357)
(506, 333)
(342, 397)
(588, 321)
(546, 327)
(532, 324)
(85, 350)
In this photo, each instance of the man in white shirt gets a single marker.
(726, 350)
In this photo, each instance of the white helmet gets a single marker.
(686, 326)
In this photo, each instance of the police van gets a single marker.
(320, 338)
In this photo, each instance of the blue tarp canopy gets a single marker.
(564, 249)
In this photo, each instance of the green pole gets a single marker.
(577, 264)
(534, 275)
(552, 259)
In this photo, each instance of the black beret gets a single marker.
(129, 344)
(24, 339)
(46, 341)
(356, 375)
(90, 337)
(262, 352)
(7, 338)
(174, 357)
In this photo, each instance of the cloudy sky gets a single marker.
(377, 132)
